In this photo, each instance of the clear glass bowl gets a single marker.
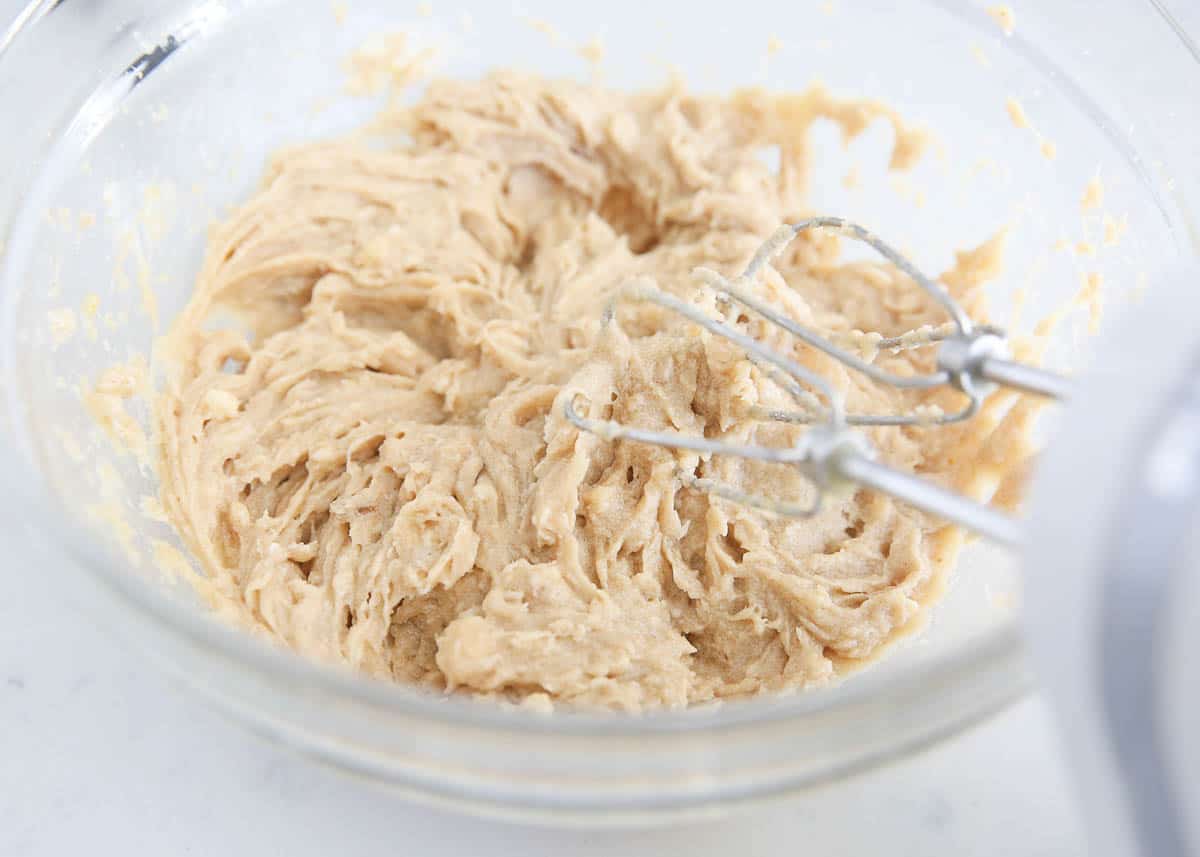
(133, 129)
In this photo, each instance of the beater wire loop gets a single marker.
(972, 359)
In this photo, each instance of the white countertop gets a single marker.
(103, 755)
(100, 754)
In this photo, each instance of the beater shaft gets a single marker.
(1025, 378)
(924, 495)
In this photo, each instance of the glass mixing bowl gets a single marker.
(131, 126)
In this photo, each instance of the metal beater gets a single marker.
(971, 358)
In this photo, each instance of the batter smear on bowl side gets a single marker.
(373, 466)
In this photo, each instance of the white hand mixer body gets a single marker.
(1112, 577)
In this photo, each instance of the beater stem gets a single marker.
(1027, 379)
(924, 495)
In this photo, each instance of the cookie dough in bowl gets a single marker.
(363, 442)
(198, 128)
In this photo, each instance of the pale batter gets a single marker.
(372, 465)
